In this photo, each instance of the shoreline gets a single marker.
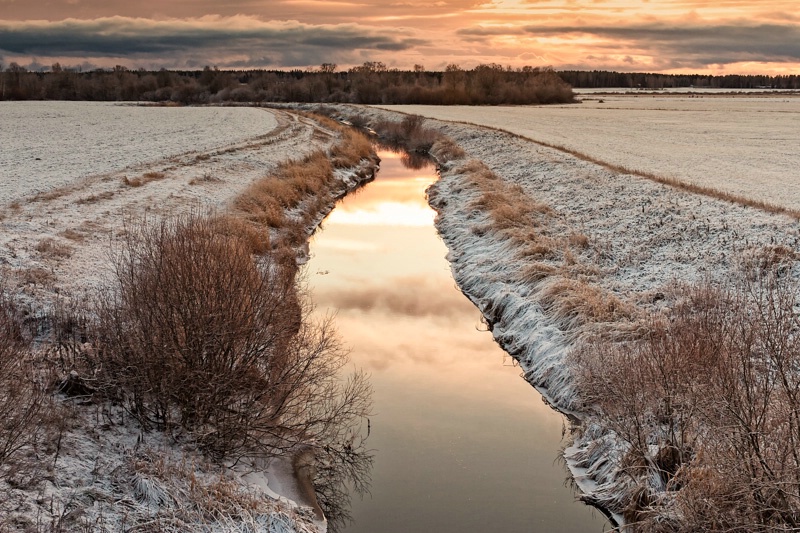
(91, 459)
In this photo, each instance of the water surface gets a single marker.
(463, 443)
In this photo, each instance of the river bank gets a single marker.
(558, 251)
(96, 466)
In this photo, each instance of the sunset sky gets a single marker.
(720, 36)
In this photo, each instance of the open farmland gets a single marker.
(72, 172)
(195, 183)
(743, 145)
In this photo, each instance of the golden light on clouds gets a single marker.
(664, 35)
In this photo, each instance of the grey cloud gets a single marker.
(701, 44)
(133, 38)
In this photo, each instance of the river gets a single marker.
(462, 443)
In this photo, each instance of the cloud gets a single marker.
(408, 296)
(240, 39)
(695, 44)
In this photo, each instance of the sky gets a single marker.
(669, 36)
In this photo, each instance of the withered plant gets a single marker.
(22, 392)
(199, 338)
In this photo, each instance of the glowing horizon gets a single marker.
(668, 36)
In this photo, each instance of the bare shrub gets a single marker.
(199, 338)
(255, 237)
(22, 393)
(709, 406)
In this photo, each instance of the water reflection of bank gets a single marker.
(462, 442)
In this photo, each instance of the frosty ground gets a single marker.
(601, 235)
(66, 196)
(740, 144)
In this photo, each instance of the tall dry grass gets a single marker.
(305, 187)
(557, 265)
(23, 396)
(708, 405)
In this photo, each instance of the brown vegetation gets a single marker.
(268, 201)
(709, 409)
(53, 249)
(557, 266)
(23, 396)
(198, 337)
(144, 179)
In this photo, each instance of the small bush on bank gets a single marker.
(198, 338)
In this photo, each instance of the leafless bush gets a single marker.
(709, 406)
(199, 338)
(22, 393)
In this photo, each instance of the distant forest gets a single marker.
(370, 83)
(636, 80)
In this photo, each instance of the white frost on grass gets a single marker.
(52, 144)
(56, 246)
(58, 241)
(744, 145)
(641, 237)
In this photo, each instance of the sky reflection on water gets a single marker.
(462, 442)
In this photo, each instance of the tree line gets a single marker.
(639, 80)
(370, 83)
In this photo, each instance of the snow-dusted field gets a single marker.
(72, 174)
(57, 213)
(745, 145)
(51, 144)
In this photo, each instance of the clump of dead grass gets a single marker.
(267, 200)
(350, 150)
(51, 248)
(575, 303)
(36, 276)
(144, 179)
(73, 235)
(95, 198)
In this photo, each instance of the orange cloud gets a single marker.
(659, 35)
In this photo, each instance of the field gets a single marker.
(742, 145)
(81, 186)
(72, 172)
(558, 228)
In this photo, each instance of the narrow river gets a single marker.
(462, 443)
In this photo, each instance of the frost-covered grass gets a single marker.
(742, 145)
(52, 144)
(95, 467)
(546, 244)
